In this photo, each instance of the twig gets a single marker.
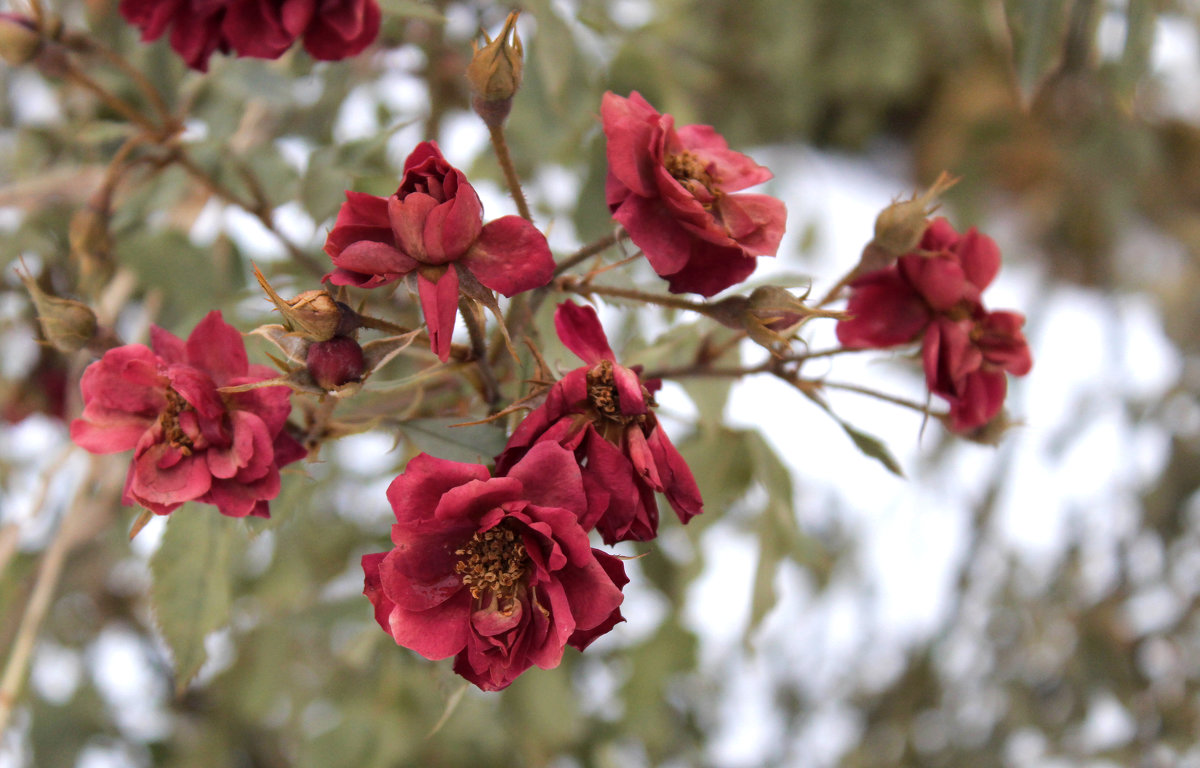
(588, 251)
(44, 588)
(918, 407)
(260, 209)
(569, 286)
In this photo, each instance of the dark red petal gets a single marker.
(980, 258)
(437, 633)
(884, 312)
(217, 348)
(629, 129)
(550, 477)
(510, 256)
(439, 303)
(580, 331)
(414, 494)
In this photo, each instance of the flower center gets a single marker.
(602, 393)
(687, 169)
(170, 422)
(493, 560)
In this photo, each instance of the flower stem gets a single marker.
(479, 353)
(114, 102)
(70, 532)
(260, 207)
(918, 407)
(500, 145)
(588, 251)
(85, 44)
(570, 286)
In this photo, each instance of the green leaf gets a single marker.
(867, 443)
(874, 447)
(192, 584)
(412, 9)
(439, 438)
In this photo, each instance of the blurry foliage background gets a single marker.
(1063, 132)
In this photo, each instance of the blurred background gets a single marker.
(1029, 604)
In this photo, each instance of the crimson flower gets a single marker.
(495, 571)
(935, 294)
(671, 191)
(433, 227)
(601, 412)
(190, 441)
(263, 29)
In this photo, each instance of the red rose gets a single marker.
(965, 362)
(935, 294)
(191, 442)
(602, 413)
(433, 226)
(671, 191)
(495, 571)
(264, 29)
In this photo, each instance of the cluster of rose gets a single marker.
(496, 567)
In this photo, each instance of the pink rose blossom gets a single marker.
(433, 227)
(191, 442)
(935, 294)
(495, 571)
(263, 29)
(672, 192)
(602, 413)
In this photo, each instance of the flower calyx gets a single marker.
(315, 315)
(900, 227)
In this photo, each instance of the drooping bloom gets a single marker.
(191, 442)
(935, 295)
(263, 29)
(672, 190)
(602, 413)
(495, 571)
(433, 228)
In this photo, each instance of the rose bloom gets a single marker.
(190, 442)
(672, 192)
(601, 412)
(264, 29)
(965, 362)
(495, 571)
(935, 295)
(433, 228)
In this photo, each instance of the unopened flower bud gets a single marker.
(900, 226)
(315, 315)
(318, 316)
(495, 73)
(335, 362)
(67, 324)
(19, 39)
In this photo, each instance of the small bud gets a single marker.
(68, 325)
(336, 362)
(900, 226)
(19, 39)
(315, 315)
(495, 73)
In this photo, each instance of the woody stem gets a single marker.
(918, 407)
(500, 145)
(588, 251)
(491, 388)
(569, 286)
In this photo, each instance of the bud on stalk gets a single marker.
(495, 73)
(335, 362)
(68, 325)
